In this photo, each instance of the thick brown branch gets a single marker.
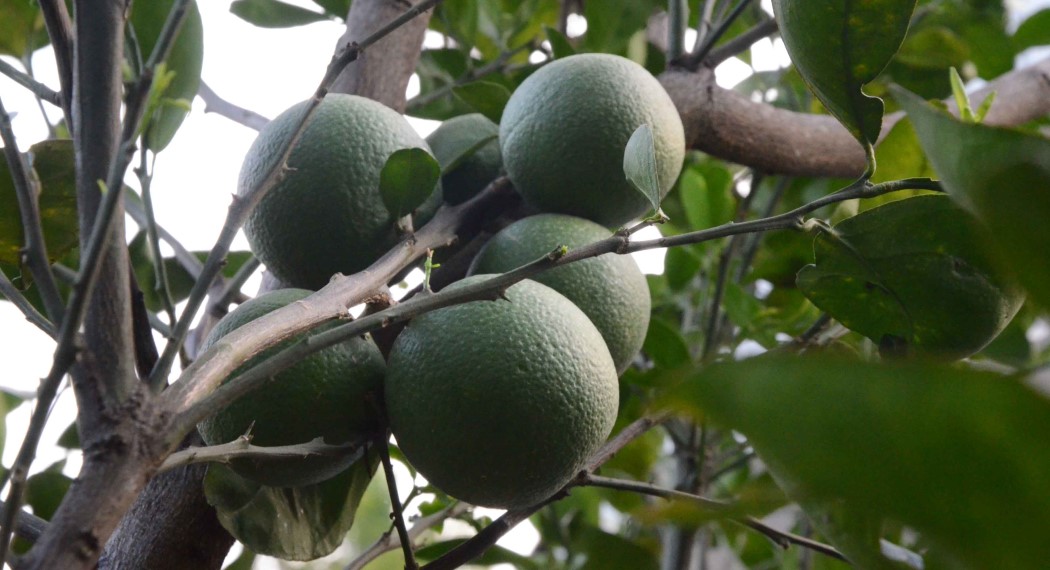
(730, 126)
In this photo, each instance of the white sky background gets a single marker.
(265, 70)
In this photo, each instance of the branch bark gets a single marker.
(382, 72)
(730, 126)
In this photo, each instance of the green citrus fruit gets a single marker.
(474, 172)
(564, 131)
(333, 393)
(326, 216)
(500, 403)
(610, 289)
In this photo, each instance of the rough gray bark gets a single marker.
(727, 125)
(170, 527)
(382, 72)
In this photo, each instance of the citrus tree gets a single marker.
(843, 361)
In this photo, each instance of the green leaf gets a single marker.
(639, 165)
(706, 194)
(962, 100)
(899, 155)
(52, 165)
(1000, 175)
(485, 97)
(560, 45)
(20, 28)
(274, 13)
(70, 438)
(933, 48)
(840, 45)
(408, 178)
(1035, 31)
(915, 272)
(665, 345)
(170, 100)
(949, 452)
(680, 265)
(44, 492)
(604, 550)
(295, 523)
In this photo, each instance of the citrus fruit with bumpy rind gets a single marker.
(474, 172)
(332, 393)
(500, 403)
(326, 215)
(564, 131)
(610, 288)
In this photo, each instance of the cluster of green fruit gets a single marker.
(496, 403)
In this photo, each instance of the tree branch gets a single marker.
(243, 204)
(35, 247)
(389, 540)
(60, 30)
(740, 43)
(730, 126)
(382, 74)
(42, 91)
(395, 505)
(242, 448)
(215, 104)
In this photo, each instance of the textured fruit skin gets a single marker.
(326, 216)
(500, 403)
(331, 394)
(610, 289)
(564, 130)
(475, 172)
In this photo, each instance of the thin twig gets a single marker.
(232, 289)
(29, 526)
(213, 103)
(242, 448)
(677, 22)
(389, 541)
(781, 538)
(709, 42)
(160, 272)
(43, 92)
(35, 248)
(741, 43)
(60, 31)
(243, 204)
(395, 505)
(11, 293)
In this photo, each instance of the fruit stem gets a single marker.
(395, 502)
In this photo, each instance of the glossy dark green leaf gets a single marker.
(560, 45)
(408, 178)
(1000, 175)
(52, 165)
(485, 97)
(611, 24)
(840, 45)
(665, 345)
(914, 273)
(274, 13)
(169, 103)
(295, 523)
(44, 492)
(1034, 31)
(947, 451)
(639, 165)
